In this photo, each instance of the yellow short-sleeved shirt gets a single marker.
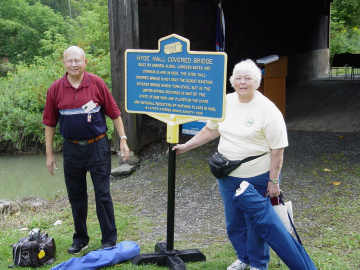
(250, 129)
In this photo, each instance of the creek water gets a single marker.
(24, 176)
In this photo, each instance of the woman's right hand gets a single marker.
(180, 148)
(204, 136)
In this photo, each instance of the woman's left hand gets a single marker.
(273, 190)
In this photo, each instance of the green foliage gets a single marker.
(344, 27)
(52, 44)
(94, 34)
(101, 66)
(344, 40)
(66, 8)
(17, 39)
(23, 91)
(23, 26)
(5, 67)
(22, 99)
(347, 11)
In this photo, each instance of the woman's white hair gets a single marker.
(250, 68)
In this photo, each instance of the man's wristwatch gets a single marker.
(123, 137)
(274, 181)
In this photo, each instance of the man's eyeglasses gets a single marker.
(74, 61)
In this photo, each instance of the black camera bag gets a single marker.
(34, 252)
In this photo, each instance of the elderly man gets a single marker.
(79, 101)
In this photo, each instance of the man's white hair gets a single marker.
(74, 48)
(248, 67)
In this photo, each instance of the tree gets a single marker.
(94, 24)
(346, 11)
(344, 26)
(68, 8)
(23, 26)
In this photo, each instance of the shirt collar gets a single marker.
(84, 83)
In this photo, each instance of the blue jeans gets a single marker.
(250, 248)
(263, 220)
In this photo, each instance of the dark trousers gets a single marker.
(78, 160)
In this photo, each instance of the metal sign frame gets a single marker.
(175, 84)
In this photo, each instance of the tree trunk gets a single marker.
(124, 34)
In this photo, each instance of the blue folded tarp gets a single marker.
(123, 251)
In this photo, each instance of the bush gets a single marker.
(34, 33)
(344, 31)
(344, 39)
(22, 100)
(22, 26)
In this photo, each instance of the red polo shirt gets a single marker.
(64, 104)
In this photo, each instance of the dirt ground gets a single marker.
(324, 105)
(323, 120)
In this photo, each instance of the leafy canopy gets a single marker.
(23, 26)
(345, 26)
(36, 36)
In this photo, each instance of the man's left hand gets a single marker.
(124, 150)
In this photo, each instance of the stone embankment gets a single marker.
(8, 207)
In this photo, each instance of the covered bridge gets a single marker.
(297, 31)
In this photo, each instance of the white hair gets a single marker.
(250, 68)
(74, 48)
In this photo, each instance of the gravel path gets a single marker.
(199, 211)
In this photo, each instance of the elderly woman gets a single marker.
(253, 125)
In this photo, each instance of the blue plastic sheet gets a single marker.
(123, 251)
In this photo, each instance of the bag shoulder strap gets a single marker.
(291, 221)
(250, 158)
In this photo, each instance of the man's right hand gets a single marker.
(51, 164)
(50, 159)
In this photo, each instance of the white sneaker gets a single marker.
(254, 268)
(238, 265)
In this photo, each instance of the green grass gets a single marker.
(341, 72)
(333, 234)
(330, 228)
(128, 227)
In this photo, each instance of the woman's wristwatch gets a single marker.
(123, 137)
(275, 181)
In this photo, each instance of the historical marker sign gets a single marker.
(174, 81)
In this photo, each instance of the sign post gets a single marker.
(176, 86)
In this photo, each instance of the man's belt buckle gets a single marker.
(85, 142)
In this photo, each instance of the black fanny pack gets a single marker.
(220, 166)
